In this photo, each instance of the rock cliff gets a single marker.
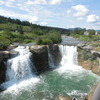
(89, 59)
(40, 56)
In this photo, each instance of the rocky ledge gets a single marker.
(40, 56)
(89, 59)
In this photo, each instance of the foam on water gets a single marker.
(20, 71)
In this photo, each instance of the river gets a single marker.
(68, 79)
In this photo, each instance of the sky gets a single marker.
(55, 13)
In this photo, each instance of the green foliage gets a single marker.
(91, 32)
(78, 31)
(27, 41)
(46, 41)
(88, 56)
(21, 30)
(39, 41)
(4, 43)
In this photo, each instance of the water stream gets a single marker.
(68, 79)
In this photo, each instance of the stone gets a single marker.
(40, 57)
(87, 65)
(63, 98)
(11, 47)
(13, 53)
(91, 93)
(54, 50)
(2, 72)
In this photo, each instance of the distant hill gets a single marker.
(72, 29)
(13, 24)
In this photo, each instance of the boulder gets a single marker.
(63, 98)
(13, 53)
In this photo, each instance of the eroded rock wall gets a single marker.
(40, 56)
(89, 60)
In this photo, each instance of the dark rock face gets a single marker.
(54, 49)
(40, 58)
(2, 72)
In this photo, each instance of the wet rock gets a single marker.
(54, 50)
(63, 98)
(2, 72)
(13, 53)
(40, 57)
(11, 47)
(91, 93)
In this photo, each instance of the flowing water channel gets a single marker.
(68, 79)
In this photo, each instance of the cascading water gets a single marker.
(50, 59)
(20, 67)
(69, 79)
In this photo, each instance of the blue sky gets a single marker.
(55, 13)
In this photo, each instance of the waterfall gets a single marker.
(69, 54)
(50, 59)
(69, 59)
(19, 68)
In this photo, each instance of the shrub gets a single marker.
(4, 43)
(46, 41)
(27, 41)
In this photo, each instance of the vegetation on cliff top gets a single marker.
(92, 39)
(14, 30)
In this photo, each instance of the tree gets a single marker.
(91, 32)
(21, 30)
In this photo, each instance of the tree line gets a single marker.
(14, 24)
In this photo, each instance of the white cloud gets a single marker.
(68, 11)
(36, 2)
(55, 2)
(43, 23)
(7, 13)
(81, 10)
(93, 18)
(33, 19)
(80, 18)
(1, 2)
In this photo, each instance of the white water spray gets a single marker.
(21, 66)
(20, 69)
(69, 62)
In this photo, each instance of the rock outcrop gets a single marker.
(63, 98)
(40, 56)
(89, 59)
(2, 72)
(54, 50)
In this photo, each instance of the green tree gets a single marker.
(91, 32)
(21, 30)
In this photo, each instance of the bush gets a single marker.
(27, 41)
(88, 56)
(4, 43)
(46, 41)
